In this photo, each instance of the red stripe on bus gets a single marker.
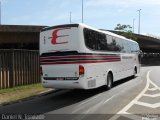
(80, 62)
(57, 57)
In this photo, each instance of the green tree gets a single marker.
(125, 30)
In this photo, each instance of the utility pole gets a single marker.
(139, 26)
(70, 14)
(82, 11)
(0, 11)
(133, 25)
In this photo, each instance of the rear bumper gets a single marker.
(64, 84)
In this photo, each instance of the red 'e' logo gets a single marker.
(55, 36)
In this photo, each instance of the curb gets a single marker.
(43, 93)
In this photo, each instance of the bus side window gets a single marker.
(114, 44)
(119, 45)
(109, 46)
(130, 46)
(123, 50)
(135, 48)
(95, 40)
(126, 46)
(101, 41)
(89, 36)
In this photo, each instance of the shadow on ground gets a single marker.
(54, 101)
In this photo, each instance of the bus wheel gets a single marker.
(109, 81)
(135, 72)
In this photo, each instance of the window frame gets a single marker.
(116, 38)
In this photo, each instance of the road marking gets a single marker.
(109, 99)
(99, 104)
(131, 116)
(80, 106)
(156, 105)
(154, 85)
(133, 101)
(92, 98)
(95, 107)
(153, 96)
(138, 96)
(152, 89)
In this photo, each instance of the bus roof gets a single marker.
(59, 26)
(85, 26)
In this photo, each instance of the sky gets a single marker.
(101, 14)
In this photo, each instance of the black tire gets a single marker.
(134, 73)
(109, 81)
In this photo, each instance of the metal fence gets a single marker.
(18, 67)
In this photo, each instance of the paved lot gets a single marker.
(128, 99)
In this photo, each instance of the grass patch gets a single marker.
(20, 92)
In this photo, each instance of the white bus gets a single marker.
(76, 56)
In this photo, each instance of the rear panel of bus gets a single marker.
(59, 57)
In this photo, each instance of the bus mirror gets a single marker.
(141, 53)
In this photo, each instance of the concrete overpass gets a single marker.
(19, 36)
(148, 44)
(27, 37)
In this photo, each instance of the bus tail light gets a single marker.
(41, 72)
(81, 70)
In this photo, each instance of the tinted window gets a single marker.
(118, 46)
(137, 46)
(89, 39)
(100, 41)
(131, 46)
(134, 47)
(126, 46)
(94, 40)
(114, 44)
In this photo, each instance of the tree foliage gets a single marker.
(126, 31)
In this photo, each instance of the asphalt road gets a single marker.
(129, 99)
